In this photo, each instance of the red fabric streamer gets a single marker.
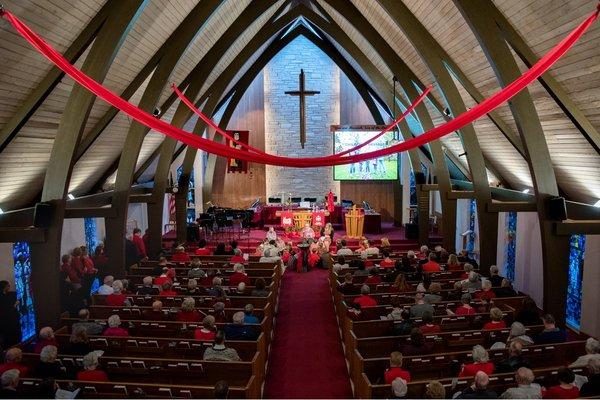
(219, 149)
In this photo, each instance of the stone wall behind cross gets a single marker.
(282, 118)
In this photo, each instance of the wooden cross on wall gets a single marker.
(302, 93)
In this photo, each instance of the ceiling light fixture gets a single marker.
(70, 196)
(525, 191)
(597, 204)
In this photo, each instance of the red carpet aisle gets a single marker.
(306, 354)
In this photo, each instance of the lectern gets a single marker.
(355, 221)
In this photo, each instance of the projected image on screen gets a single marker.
(383, 168)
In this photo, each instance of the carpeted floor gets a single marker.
(306, 358)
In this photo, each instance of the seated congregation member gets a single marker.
(10, 384)
(238, 276)
(453, 263)
(220, 249)
(486, 293)
(238, 330)
(592, 386)
(219, 312)
(79, 342)
(106, 288)
(365, 299)
(202, 250)
(400, 285)
(565, 388)
(217, 283)
(505, 289)
(147, 289)
(114, 327)
(435, 390)
(220, 352)
(369, 250)
(116, 298)
(260, 289)
(496, 320)
(395, 370)
(529, 313)
(160, 266)
(456, 293)
(465, 308)
(188, 312)
(340, 264)
(473, 283)
(374, 278)
(399, 388)
(434, 295)
(45, 338)
(428, 326)
(208, 330)
(360, 266)
(13, 360)
(467, 268)
(518, 333)
(90, 369)
(551, 333)
(348, 287)
(156, 313)
(495, 277)
(387, 262)
(193, 289)
(221, 390)
(396, 314)
(405, 326)
(592, 351)
(479, 388)
(221, 297)
(49, 366)
(423, 254)
(180, 255)
(167, 275)
(417, 344)
(515, 359)
(420, 306)
(249, 317)
(91, 327)
(237, 257)
(481, 362)
(463, 257)
(343, 249)
(196, 270)
(167, 290)
(432, 265)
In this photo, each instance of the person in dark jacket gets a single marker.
(529, 314)
(417, 344)
(479, 388)
(238, 330)
(515, 360)
(592, 386)
(551, 333)
(10, 328)
(49, 367)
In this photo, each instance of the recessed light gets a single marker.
(1, 211)
(70, 196)
(525, 191)
(597, 204)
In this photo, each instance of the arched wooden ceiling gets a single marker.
(537, 26)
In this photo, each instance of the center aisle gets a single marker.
(306, 354)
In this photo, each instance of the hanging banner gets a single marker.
(287, 219)
(235, 164)
(318, 218)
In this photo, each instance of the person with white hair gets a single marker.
(147, 289)
(208, 330)
(592, 387)
(249, 317)
(13, 360)
(217, 283)
(368, 250)
(269, 255)
(592, 351)
(45, 338)
(240, 290)
(485, 293)
(90, 369)
(421, 306)
(343, 249)
(193, 289)
(107, 287)
(481, 362)
(49, 367)
(91, 327)
(180, 255)
(117, 298)
(156, 312)
(399, 388)
(365, 299)
(495, 277)
(238, 256)
(526, 389)
(238, 330)
(473, 282)
(517, 332)
(479, 388)
(10, 383)
(238, 276)
(114, 327)
(188, 312)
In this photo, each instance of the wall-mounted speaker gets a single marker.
(42, 215)
(420, 178)
(557, 208)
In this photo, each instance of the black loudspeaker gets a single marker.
(411, 231)
(420, 178)
(42, 215)
(557, 209)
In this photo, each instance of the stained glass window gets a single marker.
(471, 238)
(413, 189)
(511, 245)
(22, 259)
(91, 234)
(576, 256)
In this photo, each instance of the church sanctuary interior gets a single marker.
(300, 199)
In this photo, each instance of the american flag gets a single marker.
(172, 206)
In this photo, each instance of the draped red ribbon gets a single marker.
(219, 149)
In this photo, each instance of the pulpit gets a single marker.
(355, 221)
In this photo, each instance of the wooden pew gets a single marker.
(201, 301)
(126, 312)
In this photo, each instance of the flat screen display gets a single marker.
(378, 169)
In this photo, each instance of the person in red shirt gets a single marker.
(453, 264)
(45, 338)
(202, 250)
(12, 360)
(387, 262)
(395, 370)
(75, 271)
(139, 243)
(465, 308)
(207, 332)
(237, 257)
(238, 276)
(114, 327)
(373, 278)
(90, 370)
(565, 389)
(365, 300)
(428, 326)
(117, 298)
(481, 362)
(188, 312)
(486, 292)
(168, 274)
(180, 255)
(313, 259)
(432, 265)
(100, 259)
(167, 289)
(496, 320)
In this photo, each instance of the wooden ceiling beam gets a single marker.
(511, 206)
(568, 228)
(30, 235)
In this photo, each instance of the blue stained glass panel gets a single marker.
(576, 257)
(91, 234)
(511, 245)
(413, 189)
(22, 260)
(471, 238)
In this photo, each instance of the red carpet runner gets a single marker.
(306, 354)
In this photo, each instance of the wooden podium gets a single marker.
(355, 222)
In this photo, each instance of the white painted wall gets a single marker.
(590, 310)
(462, 225)
(137, 215)
(73, 235)
(7, 270)
(529, 272)
(502, 242)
